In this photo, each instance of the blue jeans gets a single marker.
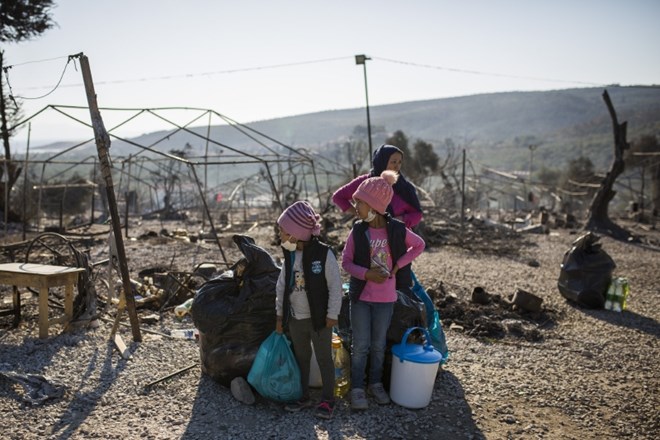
(369, 323)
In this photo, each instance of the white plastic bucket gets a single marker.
(414, 368)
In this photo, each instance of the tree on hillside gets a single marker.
(418, 163)
(425, 160)
(526, 141)
(644, 153)
(19, 20)
(579, 178)
(548, 176)
(400, 140)
(579, 173)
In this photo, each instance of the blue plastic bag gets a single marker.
(275, 373)
(438, 339)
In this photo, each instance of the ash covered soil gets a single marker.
(565, 372)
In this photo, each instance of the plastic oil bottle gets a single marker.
(342, 367)
(183, 309)
(617, 294)
(621, 292)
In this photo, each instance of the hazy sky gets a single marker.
(254, 60)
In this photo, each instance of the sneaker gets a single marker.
(241, 390)
(378, 392)
(325, 409)
(299, 405)
(359, 399)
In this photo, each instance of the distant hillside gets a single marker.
(495, 128)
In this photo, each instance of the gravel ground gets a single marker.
(592, 375)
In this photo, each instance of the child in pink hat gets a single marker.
(377, 255)
(308, 300)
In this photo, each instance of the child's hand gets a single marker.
(329, 323)
(377, 275)
(394, 270)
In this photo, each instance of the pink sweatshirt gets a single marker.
(401, 209)
(380, 256)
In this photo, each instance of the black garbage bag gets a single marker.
(586, 272)
(235, 313)
(408, 312)
(344, 322)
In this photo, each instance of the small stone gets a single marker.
(510, 419)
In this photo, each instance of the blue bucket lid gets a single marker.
(419, 354)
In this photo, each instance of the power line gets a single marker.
(39, 61)
(324, 60)
(193, 75)
(11, 92)
(477, 72)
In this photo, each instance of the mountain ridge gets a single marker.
(497, 127)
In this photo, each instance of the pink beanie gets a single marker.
(301, 221)
(377, 192)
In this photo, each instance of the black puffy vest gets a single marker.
(316, 286)
(396, 236)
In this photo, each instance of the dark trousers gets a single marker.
(302, 336)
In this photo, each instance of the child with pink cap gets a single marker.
(308, 300)
(377, 255)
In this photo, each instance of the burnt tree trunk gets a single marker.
(9, 170)
(598, 219)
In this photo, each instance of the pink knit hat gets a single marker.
(377, 192)
(301, 221)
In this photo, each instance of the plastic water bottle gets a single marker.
(342, 367)
(610, 297)
(618, 296)
(186, 333)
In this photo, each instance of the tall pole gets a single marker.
(529, 193)
(206, 160)
(463, 195)
(91, 218)
(102, 146)
(25, 180)
(641, 198)
(531, 163)
(362, 59)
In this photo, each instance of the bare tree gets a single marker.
(598, 219)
